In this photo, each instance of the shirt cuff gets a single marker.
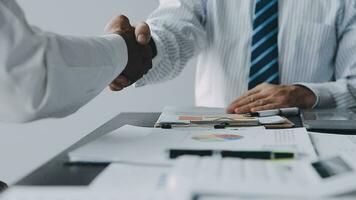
(118, 52)
(323, 96)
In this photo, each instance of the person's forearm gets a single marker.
(87, 66)
(60, 76)
(178, 32)
(339, 94)
(48, 75)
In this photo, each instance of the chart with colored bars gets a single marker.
(217, 137)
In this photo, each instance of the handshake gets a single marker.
(140, 53)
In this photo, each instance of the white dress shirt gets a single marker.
(317, 47)
(47, 75)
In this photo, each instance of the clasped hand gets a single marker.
(139, 52)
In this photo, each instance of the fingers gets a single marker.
(118, 24)
(143, 33)
(120, 83)
(265, 107)
(123, 81)
(115, 87)
(245, 97)
(239, 106)
(250, 107)
(124, 23)
(249, 97)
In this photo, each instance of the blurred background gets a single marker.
(25, 147)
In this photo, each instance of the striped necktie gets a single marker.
(264, 56)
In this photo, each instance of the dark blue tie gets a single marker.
(264, 56)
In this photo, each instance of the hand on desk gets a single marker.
(268, 96)
(139, 52)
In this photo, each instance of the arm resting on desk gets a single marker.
(342, 92)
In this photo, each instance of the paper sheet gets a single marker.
(71, 193)
(333, 144)
(257, 178)
(232, 197)
(186, 114)
(130, 179)
(131, 144)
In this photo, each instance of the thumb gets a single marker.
(143, 33)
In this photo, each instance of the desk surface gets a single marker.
(58, 172)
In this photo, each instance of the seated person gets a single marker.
(259, 54)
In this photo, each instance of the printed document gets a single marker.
(129, 179)
(205, 175)
(333, 144)
(71, 193)
(185, 116)
(137, 145)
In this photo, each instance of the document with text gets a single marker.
(203, 116)
(131, 144)
(323, 178)
(333, 144)
(72, 193)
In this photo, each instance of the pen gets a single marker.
(264, 155)
(175, 153)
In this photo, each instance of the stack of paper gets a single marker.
(199, 116)
(72, 193)
(190, 116)
(141, 163)
(333, 144)
(234, 197)
(256, 178)
(131, 144)
(75, 193)
(116, 182)
(129, 179)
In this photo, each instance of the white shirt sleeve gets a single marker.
(342, 91)
(48, 75)
(177, 28)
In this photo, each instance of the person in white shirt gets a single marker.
(259, 54)
(49, 75)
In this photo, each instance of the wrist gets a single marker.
(117, 52)
(305, 97)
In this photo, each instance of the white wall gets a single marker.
(25, 147)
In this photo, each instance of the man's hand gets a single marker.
(267, 96)
(139, 52)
